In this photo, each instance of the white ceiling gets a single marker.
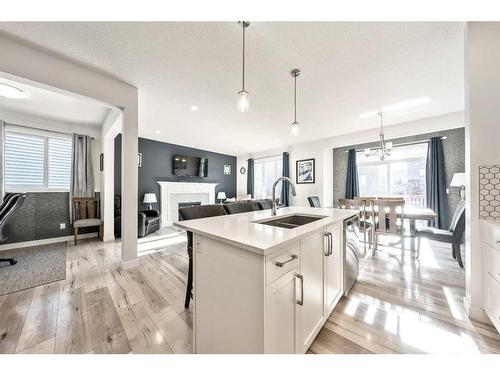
(50, 105)
(347, 69)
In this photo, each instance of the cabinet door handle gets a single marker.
(281, 264)
(301, 278)
(327, 251)
(330, 240)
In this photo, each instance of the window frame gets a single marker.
(262, 161)
(387, 163)
(45, 135)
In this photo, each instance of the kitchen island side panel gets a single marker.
(228, 298)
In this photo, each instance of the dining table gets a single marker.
(412, 214)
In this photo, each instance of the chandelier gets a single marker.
(384, 149)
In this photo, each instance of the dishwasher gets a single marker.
(351, 252)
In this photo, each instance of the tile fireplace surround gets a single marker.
(173, 193)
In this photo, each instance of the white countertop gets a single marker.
(242, 231)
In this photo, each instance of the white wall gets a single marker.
(321, 151)
(482, 134)
(40, 67)
(46, 124)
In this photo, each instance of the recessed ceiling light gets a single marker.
(157, 131)
(12, 92)
(397, 107)
(194, 108)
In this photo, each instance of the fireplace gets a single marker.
(181, 194)
(188, 204)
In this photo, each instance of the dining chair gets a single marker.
(454, 235)
(365, 224)
(385, 219)
(191, 213)
(314, 201)
(87, 213)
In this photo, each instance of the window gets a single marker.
(266, 171)
(401, 175)
(36, 160)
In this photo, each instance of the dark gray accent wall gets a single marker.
(454, 155)
(157, 159)
(40, 217)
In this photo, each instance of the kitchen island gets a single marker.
(263, 283)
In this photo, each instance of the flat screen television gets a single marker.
(190, 166)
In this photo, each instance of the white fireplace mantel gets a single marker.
(171, 191)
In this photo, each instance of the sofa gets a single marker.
(148, 221)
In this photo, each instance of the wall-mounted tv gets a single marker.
(190, 166)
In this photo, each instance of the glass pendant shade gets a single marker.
(295, 128)
(367, 152)
(243, 101)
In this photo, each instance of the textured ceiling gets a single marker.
(347, 69)
(49, 105)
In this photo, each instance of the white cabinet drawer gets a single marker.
(281, 261)
(491, 234)
(492, 262)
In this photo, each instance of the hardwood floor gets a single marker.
(395, 307)
(101, 308)
(406, 306)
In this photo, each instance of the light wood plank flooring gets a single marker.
(404, 305)
(102, 308)
(395, 307)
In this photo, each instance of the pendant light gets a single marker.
(295, 127)
(385, 148)
(243, 99)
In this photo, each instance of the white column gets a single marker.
(129, 185)
(111, 128)
(482, 146)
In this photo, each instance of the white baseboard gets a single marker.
(108, 239)
(476, 313)
(46, 241)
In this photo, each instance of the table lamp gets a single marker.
(458, 180)
(221, 196)
(150, 198)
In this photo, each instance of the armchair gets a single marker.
(148, 221)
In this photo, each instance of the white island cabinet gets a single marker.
(260, 288)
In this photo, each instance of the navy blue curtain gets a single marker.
(352, 183)
(284, 186)
(435, 180)
(250, 174)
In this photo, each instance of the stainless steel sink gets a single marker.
(292, 221)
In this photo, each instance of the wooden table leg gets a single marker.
(412, 233)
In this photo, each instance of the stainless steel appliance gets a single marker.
(351, 252)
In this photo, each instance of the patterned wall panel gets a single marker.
(489, 192)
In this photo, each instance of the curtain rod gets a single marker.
(400, 144)
(265, 157)
(44, 130)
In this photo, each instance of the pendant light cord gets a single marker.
(243, 83)
(295, 98)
